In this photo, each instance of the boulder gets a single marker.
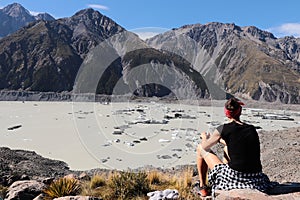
(71, 176)
(282, 191)
(84, 177)
(40, 197)
(241, 194)
(25, 190)
(246, 194)
(77, 198)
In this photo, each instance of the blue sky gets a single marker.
(279, 17)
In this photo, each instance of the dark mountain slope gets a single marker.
(46, 55)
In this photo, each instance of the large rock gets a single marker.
(77, 198)
(253, 194)
(288, 191)
(241, 194)
(25, 190)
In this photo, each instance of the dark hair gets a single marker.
(233, 104)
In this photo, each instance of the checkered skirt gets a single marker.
(222, 177)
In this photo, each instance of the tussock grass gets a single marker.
(155, 177)
(126, 185)
(135, 185)
(63, 187)
(97, 181)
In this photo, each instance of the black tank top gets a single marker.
(243, 146)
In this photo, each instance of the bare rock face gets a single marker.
(25, 190)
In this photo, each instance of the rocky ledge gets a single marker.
(27, 165)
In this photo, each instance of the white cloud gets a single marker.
(98, 6)
(288, 29)
(148, 32)
(34, 13)
(146, 35)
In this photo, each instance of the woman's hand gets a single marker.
(222, 141)
(204, 136)
(209, 140)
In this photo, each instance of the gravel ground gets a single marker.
(280, 154)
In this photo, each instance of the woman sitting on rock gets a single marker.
(244, 169)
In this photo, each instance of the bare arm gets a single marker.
(207, 143)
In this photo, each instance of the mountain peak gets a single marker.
(44, 16)
(13, 6)
(14, 16)
(256, 32)
(87, 11)
(15, 10)
(89, 21)
(86, 15)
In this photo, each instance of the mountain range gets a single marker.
(214, 59)
(46, 55)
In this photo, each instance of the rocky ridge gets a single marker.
(244, 61)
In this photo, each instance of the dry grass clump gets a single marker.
(158, 180)
(63, 187)
(126, 185)
(95, 187)
(136, 185)
(182, 181)
(97, 181)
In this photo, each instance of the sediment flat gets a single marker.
(121, 135)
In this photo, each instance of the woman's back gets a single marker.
(243, 146)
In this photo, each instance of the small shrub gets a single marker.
(97, 186)
(184, 183)
(97, 181)
(127, 185)
(63, 187)
(186, 179)
(154, 177)
(86, 189)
